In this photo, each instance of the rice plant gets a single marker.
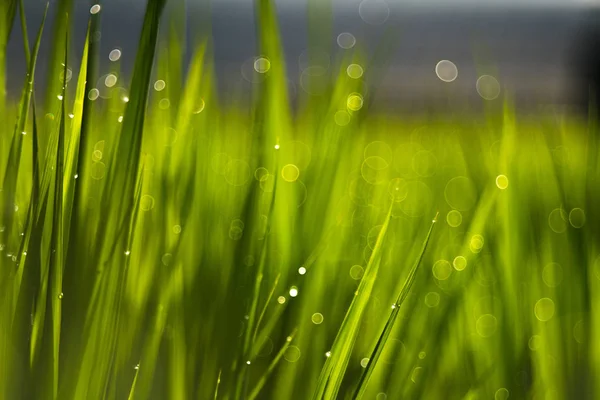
(158, 242)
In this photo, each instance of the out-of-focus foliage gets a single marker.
(162, 244)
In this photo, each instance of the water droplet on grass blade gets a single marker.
(364, 362)
(293, 291)
(95, 9)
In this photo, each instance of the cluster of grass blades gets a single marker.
(158, 242)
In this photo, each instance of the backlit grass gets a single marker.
(159, 242)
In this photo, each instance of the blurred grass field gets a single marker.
(157, 243)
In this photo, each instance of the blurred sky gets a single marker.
(529, 43)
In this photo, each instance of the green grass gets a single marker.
(160, 243)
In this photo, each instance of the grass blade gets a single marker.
(334, 369)
(387, 330)
(14, 159)
(263, 380)
(217, 387)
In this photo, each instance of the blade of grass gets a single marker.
(12, 168)
(334, 369)
(24, 32)
(252, 320)
(57, 248)
(387, 330)
(217, 386)
(72, 154)
(263, 379)
(264, 309)
(8, 10)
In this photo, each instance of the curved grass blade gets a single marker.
(14, 158)
(132, 390)
(252, 320)
(263, 380)
(126, 158)
(57, 248)
(8, 10)
(24, 32)
(264, 310)
(334, 369)
(387, 330)
(217, 387)
(72, 154)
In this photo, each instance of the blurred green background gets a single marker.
(158, 243)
